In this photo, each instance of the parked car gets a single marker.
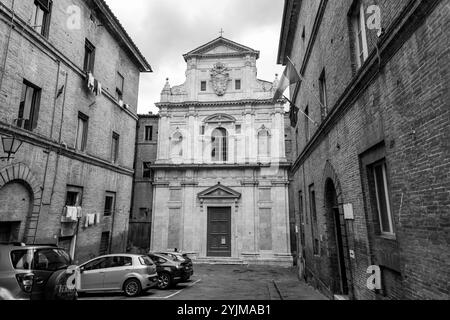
(185, 261)
(35, 272)
(128, 273)
(170, 270)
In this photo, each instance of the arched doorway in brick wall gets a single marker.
(336, 234)
(20, 197)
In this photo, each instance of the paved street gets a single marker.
(217, 282)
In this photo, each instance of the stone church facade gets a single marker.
(220, 178)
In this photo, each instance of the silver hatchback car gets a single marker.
(127, 273)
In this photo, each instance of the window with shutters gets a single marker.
(41, 16)
(110, 204)
(74, 196)
(82, 132)
(379, 192)
(148, 133)
(323, 94)
(89, 57)
(120, 82)
(29, 106)
(358, 23)
(147, 171)
(115, 147)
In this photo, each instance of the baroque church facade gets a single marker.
(221, 174)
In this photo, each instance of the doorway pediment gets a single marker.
(219, 192)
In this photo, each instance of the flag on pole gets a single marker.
(290, 76)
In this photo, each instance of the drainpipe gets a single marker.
(111, 237)
(133, 185)
(55, 99)
(59, 139)
(7, 46)
(48, 152)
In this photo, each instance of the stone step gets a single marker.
(341, 297)
(219, 261)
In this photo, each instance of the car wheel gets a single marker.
(132, 288)
(164, 281)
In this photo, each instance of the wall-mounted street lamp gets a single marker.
(10, 146)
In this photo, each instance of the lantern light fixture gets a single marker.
(11, 146)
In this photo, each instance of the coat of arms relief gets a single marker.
(220, 77)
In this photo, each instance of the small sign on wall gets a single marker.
(348, 212)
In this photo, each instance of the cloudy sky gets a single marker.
(164, 30)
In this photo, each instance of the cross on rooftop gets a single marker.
(221, 32)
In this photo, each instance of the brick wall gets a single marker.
(146, 151)
(49, 151)
(405, 110)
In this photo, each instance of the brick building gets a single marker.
(146, 154)
(370, 181)
(77, 131)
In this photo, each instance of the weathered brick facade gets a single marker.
(394, 108)
(48, 164)
(146, 154)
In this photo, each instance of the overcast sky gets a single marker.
(164, 30)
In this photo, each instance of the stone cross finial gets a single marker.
(221, 32)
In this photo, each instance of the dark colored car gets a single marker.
(184, 259)
(36, 272)
(170, 271)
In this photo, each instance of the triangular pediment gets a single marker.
(219, 192)
(221, 49)
(221, 46)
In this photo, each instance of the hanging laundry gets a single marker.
(97, 218)
(98, 88)
(71, 213)
(79, 212)
(91, 219)
(91, 82)
(86, 222)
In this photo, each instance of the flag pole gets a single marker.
(307, 116)
(307, 86)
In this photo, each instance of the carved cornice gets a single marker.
(215, 103)
(203, 50)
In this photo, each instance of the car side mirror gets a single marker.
(82, 270)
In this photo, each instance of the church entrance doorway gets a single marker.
(219, 232)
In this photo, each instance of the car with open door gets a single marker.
(128, 273)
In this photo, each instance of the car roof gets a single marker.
(129, 255)
(159, 254)
(26, 247)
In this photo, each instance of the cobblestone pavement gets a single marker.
(219, 282)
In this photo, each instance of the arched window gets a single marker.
(263, 143)
(177, 145)
(219, 142)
